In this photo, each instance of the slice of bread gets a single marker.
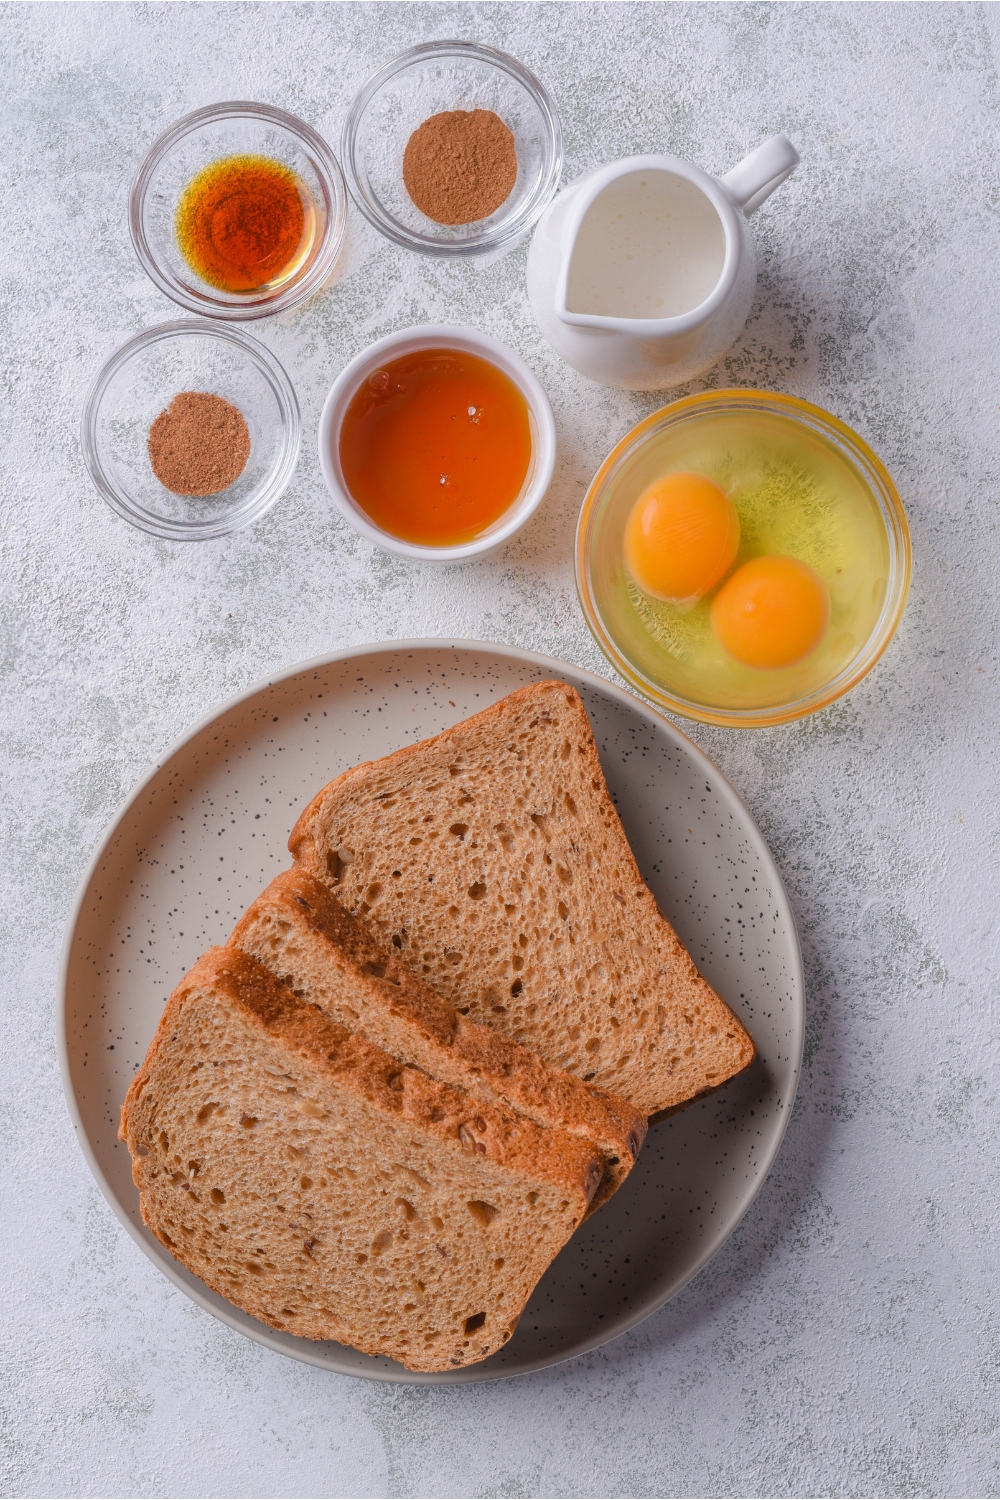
(306, 1176)
(299, 931)
(491, 860)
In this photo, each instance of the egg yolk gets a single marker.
(680, 538)
(772, 613)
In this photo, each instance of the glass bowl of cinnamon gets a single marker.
(453, 149)
(191, 430)
(238, 211)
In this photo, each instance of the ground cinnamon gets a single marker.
(460, 165)
(199, 445)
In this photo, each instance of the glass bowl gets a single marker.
(201, 138)
(141, 379)
(793, 472)
(427, 80)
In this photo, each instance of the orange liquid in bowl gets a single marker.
(435, 446)
(245, 223)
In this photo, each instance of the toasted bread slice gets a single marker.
(306, 1176)
(491, 860)
(299, 931)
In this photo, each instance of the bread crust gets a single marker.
(299, 930)
(232, 1032)
(518, 843)
(334, 1052)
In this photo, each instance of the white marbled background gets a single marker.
(847, 1339)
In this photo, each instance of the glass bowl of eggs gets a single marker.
(742, 558)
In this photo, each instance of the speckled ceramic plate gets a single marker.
(207, 829)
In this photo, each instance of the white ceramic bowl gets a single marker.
(440, 336)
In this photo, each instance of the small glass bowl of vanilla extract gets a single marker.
(238, 211)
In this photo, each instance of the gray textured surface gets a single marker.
(847, 1339)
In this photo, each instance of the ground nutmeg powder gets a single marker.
(460, 165)
(199, 445)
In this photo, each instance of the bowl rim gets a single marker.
(500, 236)
(331, 177)
(429, 336)
(874, 474)
(271, 489)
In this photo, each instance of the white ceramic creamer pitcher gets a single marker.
(641, 274)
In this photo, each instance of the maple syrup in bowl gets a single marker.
(437, 443)
(238, 211)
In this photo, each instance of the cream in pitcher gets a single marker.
(641, 274)
(650, 246)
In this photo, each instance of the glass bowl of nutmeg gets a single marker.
(453, 149)
(191, 430)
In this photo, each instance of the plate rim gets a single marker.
(200, 1294)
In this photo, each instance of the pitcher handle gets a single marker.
(757, 175)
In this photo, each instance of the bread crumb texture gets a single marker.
(314, 1181)
(298, 930)
(491, 861)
